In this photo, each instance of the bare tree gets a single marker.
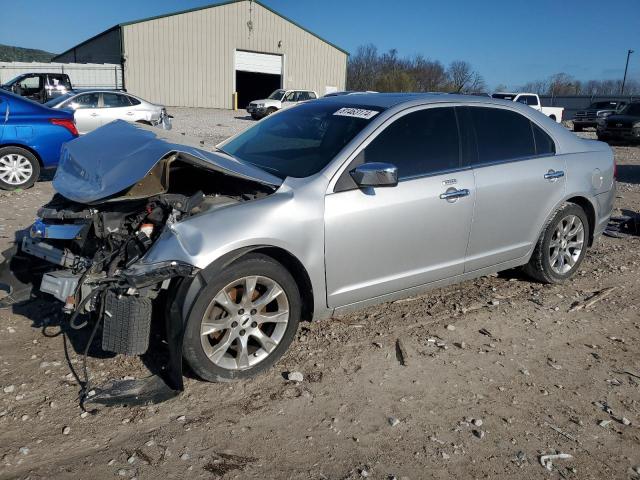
(460, 74)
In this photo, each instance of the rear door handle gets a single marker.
(553, 174)
(453, 194)
(94, 114)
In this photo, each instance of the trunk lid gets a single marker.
(115, 157)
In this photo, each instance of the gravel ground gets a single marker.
(209, 124)
(495, 373)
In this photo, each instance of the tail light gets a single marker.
(66, 123)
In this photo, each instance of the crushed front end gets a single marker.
(86, 247)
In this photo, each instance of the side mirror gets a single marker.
(375, 174)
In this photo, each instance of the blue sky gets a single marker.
(509, 42)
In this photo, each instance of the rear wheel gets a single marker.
(19, 168)
(243, 321)
(561, 247)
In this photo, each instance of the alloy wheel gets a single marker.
(15, 169)
(244, 323)
(566, 244)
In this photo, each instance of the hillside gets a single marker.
(9, 53)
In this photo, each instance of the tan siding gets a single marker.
(188, 59)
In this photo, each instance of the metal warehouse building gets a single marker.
(201, 57)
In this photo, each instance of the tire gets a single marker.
(217, 356)
(577, 128)
(19, 168)
(144, 122)
(255, 117)
(270, 111)
(542, 266)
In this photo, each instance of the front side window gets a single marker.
(114, 100)
(421, 143)
(88, 100)
(30, 83)
(290, 97)
(300, 141)
(501, 135)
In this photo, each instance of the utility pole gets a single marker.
(626, 67)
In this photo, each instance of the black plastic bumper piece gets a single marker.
(144, 391)
(15, 277)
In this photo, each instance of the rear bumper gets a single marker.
(605, 203)
(628, 134)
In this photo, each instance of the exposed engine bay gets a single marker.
(85, 246)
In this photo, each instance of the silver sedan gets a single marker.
(95, 108)
(326, 207)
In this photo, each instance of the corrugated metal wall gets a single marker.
(104, 48)
(82, 75)
(188, 59)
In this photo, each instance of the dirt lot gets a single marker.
(499, 371)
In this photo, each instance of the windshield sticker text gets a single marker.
(356, 112)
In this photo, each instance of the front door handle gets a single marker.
(452, 194)
(553, 174)
(94, 114)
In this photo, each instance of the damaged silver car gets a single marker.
(326, 207)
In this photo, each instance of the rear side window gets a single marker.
(530, 100)
(544, 143)
(311, 95)
(114, 100)
(501, 135)
(59, 81)
(419, 143)
(133, 101)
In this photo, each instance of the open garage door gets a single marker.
(257, 75)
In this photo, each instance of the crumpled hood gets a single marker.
(116, 156)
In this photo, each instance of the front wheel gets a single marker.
(561, 247)
(19, 168)
(243, 321)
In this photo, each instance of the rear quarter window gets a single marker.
(501, 135)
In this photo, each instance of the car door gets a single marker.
(383, 240)
(86, 109)
(31, 86)
(4, 115)
(116, 106)
(289, 99)
(518, 181)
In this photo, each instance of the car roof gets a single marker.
(389, 100)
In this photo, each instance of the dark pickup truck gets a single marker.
(622, 126)
(40, 87)
(589, 117)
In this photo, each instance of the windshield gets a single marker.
(277, 95)
(58, 100)
(600, 105)
(631, 109)
(300, 141)
(12, 81)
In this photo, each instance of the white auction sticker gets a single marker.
(356, 112)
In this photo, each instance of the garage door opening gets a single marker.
(257, 75)
(253, 86)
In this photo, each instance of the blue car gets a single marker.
(31, 136)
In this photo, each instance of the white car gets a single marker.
(95, 108)
(278, 100)
(533, 100)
